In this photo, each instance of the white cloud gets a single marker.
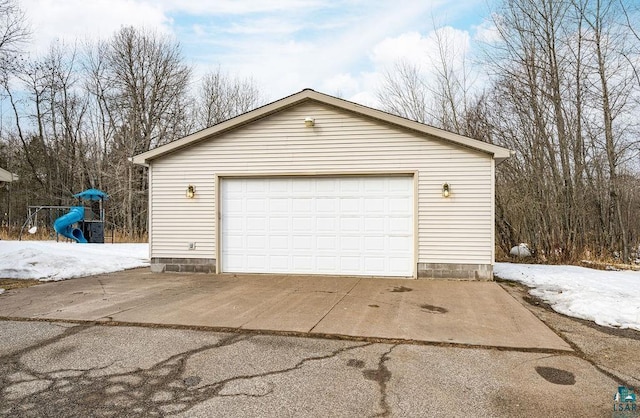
(410, 47)
(342, 85)
(487, 32)
(367, 98)
(418, 49)
(72, 20)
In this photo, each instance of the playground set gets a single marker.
(82, 224)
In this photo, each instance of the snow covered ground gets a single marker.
(609, 298)
(50, 260)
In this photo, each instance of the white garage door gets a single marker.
(318, 225)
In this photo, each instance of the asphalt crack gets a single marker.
(218, 386)
(158, 390)
(154, 391)
(381, 375)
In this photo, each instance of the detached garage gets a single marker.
(312, 184)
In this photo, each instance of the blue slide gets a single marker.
(63, 225)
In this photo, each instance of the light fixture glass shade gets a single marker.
(445, 190)
(191, 191)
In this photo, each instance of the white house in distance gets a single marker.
(313, 184)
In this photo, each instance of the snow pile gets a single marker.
(50, 260)
(609, 298)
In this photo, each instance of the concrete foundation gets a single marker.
(183, 265)
(455, 271)
(425, 270)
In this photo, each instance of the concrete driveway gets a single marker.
(453, 312)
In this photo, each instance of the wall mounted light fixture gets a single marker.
(446, 190)
(191, 191)
(309, 122)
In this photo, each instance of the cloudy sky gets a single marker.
(339, 47)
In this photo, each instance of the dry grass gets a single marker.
(585, 259)
(8, 284)
(47, 234)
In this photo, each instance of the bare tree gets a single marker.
(437, 93)
(222, 97)
(405, 93)
(14, 33)
(615, 83)
(148, 81)
(452, 82)
(561, 100)
(563, 94)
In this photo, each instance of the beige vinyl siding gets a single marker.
(454, 230)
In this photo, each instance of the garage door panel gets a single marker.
(396, 263)
(279, 205)
(398, 184)
(373, 186)
(256, 242)
(278, 242)
(303, 264)
(350, 225)
(374, 244)
(400, 205)
(302, 224)
(235, 223)
(235, 242)
(278, 224)
(236, 188)
(279, 262)
(325, 243)
(234, 262)
(372, 265)
(374, 224)
(253, 206)
(301, 204)
(302, 242)
(351, 243)
(276, 187)
(235, 204)
(399, 223)
(325, 224)
(325, 185)
(349, 186)
(327, 263)
(374, 205)
(350, 206)
(254, 223)
(400, 244)
(247, 187)
(326, 205)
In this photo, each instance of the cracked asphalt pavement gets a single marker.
(58, 369)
